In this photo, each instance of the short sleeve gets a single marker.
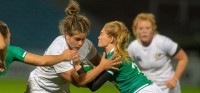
(169, 46)
(19, 53)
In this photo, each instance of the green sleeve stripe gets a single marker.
(24, 54)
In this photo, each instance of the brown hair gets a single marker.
(73, 21)
(4, 29)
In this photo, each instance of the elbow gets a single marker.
(43, 63)
(80, 85)
(94, 87)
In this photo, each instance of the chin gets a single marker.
(100, 46)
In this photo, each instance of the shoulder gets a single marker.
(13, 48)
(59, 39)
(133, 44)
(161, 38)
(57, 46)
(87, 41)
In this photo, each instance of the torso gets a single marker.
(48, 75)
(155, 60)
(129, 78)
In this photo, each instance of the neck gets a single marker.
(109, 48)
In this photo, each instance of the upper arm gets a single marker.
(181, 55)
(95, 60)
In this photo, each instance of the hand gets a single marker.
(76, 60)
(171, 83)
(69, 54)
(2, 66)
(112, 62)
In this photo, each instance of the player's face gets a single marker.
(144, 31)
(76, 41)
(103, 39)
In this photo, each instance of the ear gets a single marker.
(112, 40)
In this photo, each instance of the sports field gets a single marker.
(18, 86)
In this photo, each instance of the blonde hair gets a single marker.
(144, 16)
(73, 21)
(119, 31)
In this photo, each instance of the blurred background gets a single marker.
(34, 25)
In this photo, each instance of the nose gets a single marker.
(80, 43)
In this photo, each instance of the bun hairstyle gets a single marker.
(74, 22)
(72, 9)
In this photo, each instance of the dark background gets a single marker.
(34, 23)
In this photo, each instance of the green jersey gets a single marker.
(129, 78)
(13, 54)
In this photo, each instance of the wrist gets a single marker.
(77, 67)
(175, 78)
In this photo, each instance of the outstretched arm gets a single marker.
(45, 60)
(83, 79)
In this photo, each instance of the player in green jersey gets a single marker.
(2, 53)
(9, 54)
(128, 79)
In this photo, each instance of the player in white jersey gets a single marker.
(153, 53)
(56, 78)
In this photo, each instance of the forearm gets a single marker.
(90, 76)
(181, 66)
(45, 60)
(99, 81)
(182, 63)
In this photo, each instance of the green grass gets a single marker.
(19, 86)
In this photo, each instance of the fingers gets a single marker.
(115, 68)
(2, 66)
(117, 59)
(76, 59)
(114, 56)
(170, 84)
(104, 54)
(117, 63)
(1, 69)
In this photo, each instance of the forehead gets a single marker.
(79, 35)
(144, 22)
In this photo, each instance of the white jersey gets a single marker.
(45, 79)
(155, 59)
